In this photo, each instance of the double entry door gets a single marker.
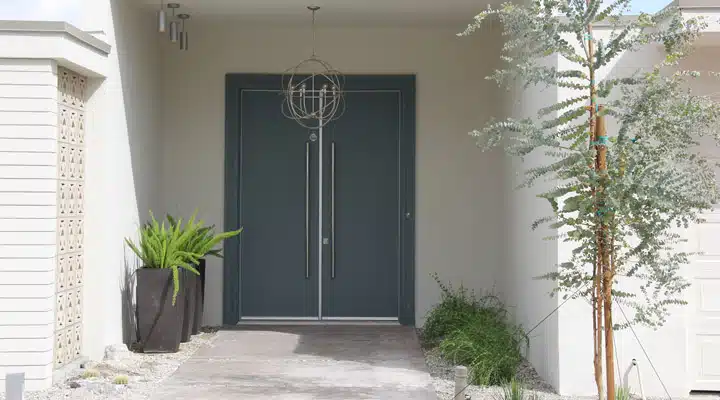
(321, 210)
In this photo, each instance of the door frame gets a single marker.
(235, 83)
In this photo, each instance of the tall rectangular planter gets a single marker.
(199, 297)
(159, 321)
(189, 290)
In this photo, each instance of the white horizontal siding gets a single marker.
(28, 118)
(27, 238)
(33, 291)
(32, 373)
(27, 172)
(26, 65)
(24, 198)
(38, 358)
(28, 211)
(28, 132)
(27, 331)
(11, 91)
(25, 278)
(28, 185)
(28, 265)
(34, 251)
(24, 345)
(35, 78)
(14, 225)
(28, 145)
(27, 306)
(28, 158)
(27, 105)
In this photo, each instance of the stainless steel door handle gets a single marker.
(307, 210)
(332, 210)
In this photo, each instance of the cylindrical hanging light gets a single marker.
(183, 32)
(162, 17)
(174, 25)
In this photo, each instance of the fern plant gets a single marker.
(203, 240)
(162, 246)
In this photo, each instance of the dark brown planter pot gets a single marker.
(199, 297)
(159, 322)
(189, 290)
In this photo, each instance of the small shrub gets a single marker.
(121, 380)
(90, 373)
(477, 333)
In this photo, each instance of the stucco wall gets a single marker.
(527, 254)
(123, 153)
(459, 189)
(28, 185)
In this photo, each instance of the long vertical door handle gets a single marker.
(332, 210)
(307, 210)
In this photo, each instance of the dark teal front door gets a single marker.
(362, 267)
(354, 177)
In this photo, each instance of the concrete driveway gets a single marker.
(305, 362)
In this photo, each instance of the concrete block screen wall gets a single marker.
(70, 216)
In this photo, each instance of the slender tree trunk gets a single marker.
(597, 268)
(597, 328)
(605, 262)
(609, 342)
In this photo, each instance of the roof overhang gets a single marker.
(60, 41)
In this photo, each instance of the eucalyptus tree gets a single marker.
(621, 197)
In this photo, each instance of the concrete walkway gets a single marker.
(305, 362)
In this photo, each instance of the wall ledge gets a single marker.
(55, 40)
(55, 27)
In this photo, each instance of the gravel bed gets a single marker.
(442, 373)
(443, 378)
(143, 371)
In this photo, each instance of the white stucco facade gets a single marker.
(154, 140)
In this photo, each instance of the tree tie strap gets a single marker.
(601, 141)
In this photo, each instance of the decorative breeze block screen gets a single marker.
(70, 191)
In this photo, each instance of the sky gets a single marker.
(69, 10)
(42, 10)
(648, 6)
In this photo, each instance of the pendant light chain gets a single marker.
(313, 30)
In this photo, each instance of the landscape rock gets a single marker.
(116, 352)
(146, 372)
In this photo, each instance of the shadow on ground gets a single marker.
(305, 362)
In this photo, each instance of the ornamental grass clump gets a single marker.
(477, 333)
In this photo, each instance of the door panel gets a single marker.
(273, 251)
(705, 321)
(367, 211)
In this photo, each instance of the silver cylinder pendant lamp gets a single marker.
(174, 25)
(162, 18)
(183, 32)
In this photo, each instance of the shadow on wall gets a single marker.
(129, 315)
(130, 151)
